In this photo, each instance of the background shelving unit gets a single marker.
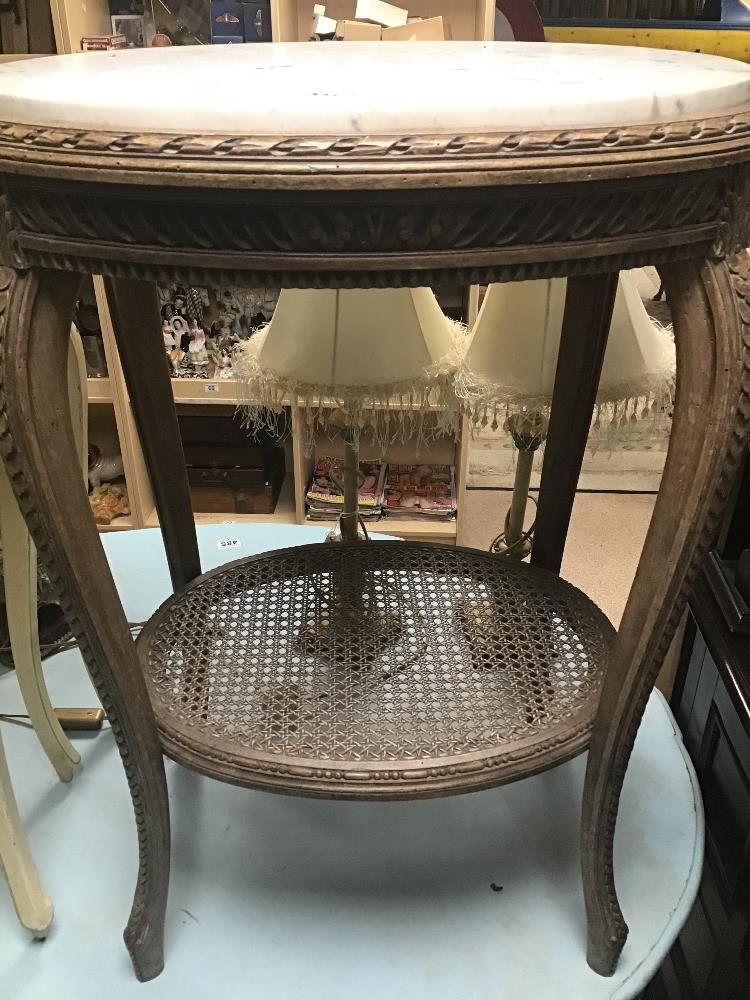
(469, 19)
(110, 411)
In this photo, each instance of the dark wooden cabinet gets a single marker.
(711, 959)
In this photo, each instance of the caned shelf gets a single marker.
(375, 670)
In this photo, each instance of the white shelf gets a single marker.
(124, 522)
(198, 390)
(99, 390)
(403, 527)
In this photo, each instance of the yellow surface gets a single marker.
(732, 44)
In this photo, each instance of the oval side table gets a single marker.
(374, 166)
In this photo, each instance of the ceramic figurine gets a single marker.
(168, 334)
(181, 331)
(197, 352)
(194, 304)
(103, 467)
(177, 357)
(224, 364)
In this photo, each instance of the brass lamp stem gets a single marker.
(349, 520)
(528, 430)
(517, 512)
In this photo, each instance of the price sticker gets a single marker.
(228, 543)
(211, 387)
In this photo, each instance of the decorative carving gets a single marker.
(179, 151)
(374, 240)
(86, 597)
(734, 234)
(711, 311)
(162, 269)
(337, 783)
(479, 220)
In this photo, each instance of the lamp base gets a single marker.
(361, 624)
(528, 431)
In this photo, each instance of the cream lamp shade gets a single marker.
(511, 358)
(354, 357)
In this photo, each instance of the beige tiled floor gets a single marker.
(604, 544)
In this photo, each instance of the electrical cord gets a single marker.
(67, 642)
(49, 648)
(498, 546)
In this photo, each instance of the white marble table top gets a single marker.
(369, 88)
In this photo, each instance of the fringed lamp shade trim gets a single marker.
(382, 361)
(511, 357)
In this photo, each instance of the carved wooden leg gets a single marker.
(135, 314)
(588, 313)
(711, 310)
(42, 461)
(32, 906)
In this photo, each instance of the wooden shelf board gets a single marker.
(122, 523)
(403, 527)
(99, 390)
(198, 390)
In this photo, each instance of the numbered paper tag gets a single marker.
(211, 387)
(228, 543)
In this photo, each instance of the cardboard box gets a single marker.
(380, 12)
(102, 43)
(358, 31)
(431, 29)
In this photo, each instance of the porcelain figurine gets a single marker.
(168, 334)
(197, 351)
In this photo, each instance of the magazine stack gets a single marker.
(422, 492)
(325, 497)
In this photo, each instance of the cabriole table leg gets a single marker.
(589, 302)
(711, 312)
(135, 312)
(43, 464)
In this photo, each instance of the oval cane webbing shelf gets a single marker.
(375, 670)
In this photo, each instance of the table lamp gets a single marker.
(354, 359)
(509, 369)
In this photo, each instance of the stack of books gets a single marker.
(325, 498)
(421, 492)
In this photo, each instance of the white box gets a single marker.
(322, 25)
(380, 12)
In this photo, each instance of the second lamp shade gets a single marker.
(512, 354)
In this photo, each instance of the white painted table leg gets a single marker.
(20, 570)
(34, 909)
(78, 396)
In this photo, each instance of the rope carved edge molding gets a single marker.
(667, 137)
